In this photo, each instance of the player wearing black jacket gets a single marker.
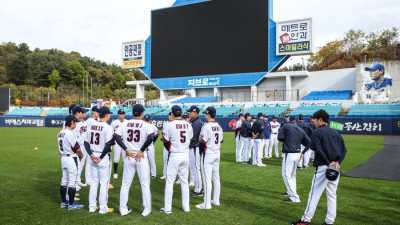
(258, 136)
(246, 134)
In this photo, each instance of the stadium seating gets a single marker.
(268, 110)
(57, 112)
(308, 111)
(197, 99)
(328, 95)
(25, 112)
(374, 111)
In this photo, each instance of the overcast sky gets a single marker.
(97, 28)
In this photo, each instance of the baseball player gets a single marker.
(311, 122)
(292, 137)
(239, 140)
(137, 136)
(267, 134)
(176, 138)
(287, 119)
(253, 119)
(246, 135)
(330, 152)
(94, 117)
(70, 108)
(117, 149)
(211, 138)
(273, 139)
(70, 150)
(80, 131)
(165, 152)
(258, 137)
(194, 153)
(307, 129)
(186, 117)
(98, 142)
(151, 150)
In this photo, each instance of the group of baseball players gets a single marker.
(300, 142)
(187, 144)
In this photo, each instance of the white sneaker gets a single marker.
(146, 213)
(216, 204)
(82, 184)
(201, 206)
(261, 164)
(127, 212)
(191, 184)
(163, 177)
(115, 175)
(76, 199)
(166, 212)
(186, 210)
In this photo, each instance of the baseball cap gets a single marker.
(246, 115)
(254, 117)
(147, 117)
(121, 111)
(70, 118)
(104, 111)
(193, 108)
(260, 114)
(71, 107)
(273, 117)
(286, 116)
(241, 114)
(266, 116)
(292, 118)
(176, 109)
(375, 66)
(210, 110)
(137, 109)
(78, 109)
(185, 116)
(332, 173)
(301, 117)
(95, 109)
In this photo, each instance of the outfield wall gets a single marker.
(360, 126)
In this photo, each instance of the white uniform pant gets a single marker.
(319, 184)
(267, 153)
(257, 151)
(246, 148)
(210, 170)
(117, 153)
(100, 175)
(142, 169)
(194, 163)
(69, 167)
(251, 147)
(177, 164)
(289, 166)
(165, 158)
(239, 148)
(81, 164)
(300, 164)
(273, 142)
(151, 154)
(306, 157)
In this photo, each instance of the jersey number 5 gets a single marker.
(183, 136)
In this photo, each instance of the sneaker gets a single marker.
(146, 213)
(115, 175)
(201, 206)
(129, 211)
(162, 178)
(216, 204)
(261, 164)
(191, 184)
(63, 205)
(186, 210)
(305, 167)
(177, 182)
(299, 222)
(74, 206)
(94, 210)
(153, 176)
(290, 201)
(110, 210)
(285, 194)
(164, 211)
(76, 199)
(82, 184)
(299, 167)
(195, 194)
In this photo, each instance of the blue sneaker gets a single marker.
(63, 204)
(74, 206)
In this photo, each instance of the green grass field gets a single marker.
(29, 189)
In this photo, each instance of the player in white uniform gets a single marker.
(70, 108)
(151, 150)
(69, 149)
(211, 137)
(177, 137)
(273, 140)
(117, 149)
(137, 136)
(239, 140)
(80, 131)
(253, 119)
(90, 121)
(98, 142)
(165, 151)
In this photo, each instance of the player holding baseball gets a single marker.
(70, 151)
(239, 140)
(273, 139)
(176, 138)
(137, 136)
(98, 142)
(211, 138)
(117, 149)
(151, 153)
(194, 153)
(330, 152)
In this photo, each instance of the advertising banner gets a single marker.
(133, 54)
(294, 37)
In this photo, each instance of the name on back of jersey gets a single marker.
(97, 128)
(137, 125)
(181, 126)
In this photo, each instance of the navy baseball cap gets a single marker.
(185, 116)
(274, 117)
(71, 107)
(286, 116)
(210, 110)
(246, 115)
(70, 118)
(121, 111)
(193, 108)
(301, 117)
(78, 109)
(95, 109)
(104, 111)
(137, 109)
(292, 118)
(260, 114)
(147, 117)
(176, 109)
(375, 66)
(241, 114)
(254, 117)
(332, 173)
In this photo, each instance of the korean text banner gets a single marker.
(294, 37)
(133, 54)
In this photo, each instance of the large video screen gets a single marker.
(210, 38)
(4, 99)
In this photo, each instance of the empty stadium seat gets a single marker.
(197, 99)
(308, 111)
(328, 95)
(25, 111)
(374, 111)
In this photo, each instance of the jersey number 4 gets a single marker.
(133, 135)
